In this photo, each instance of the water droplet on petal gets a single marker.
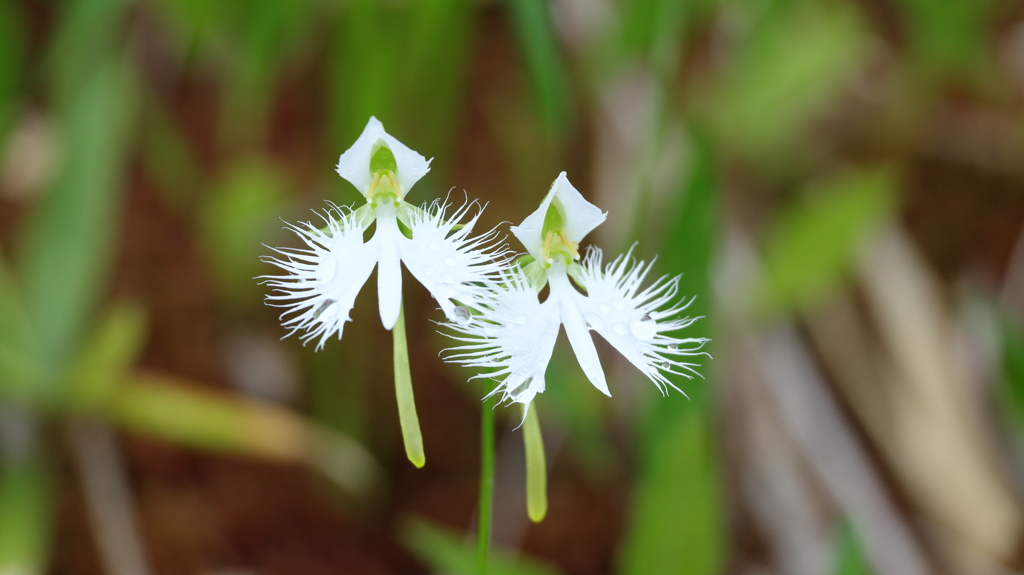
(462, 314)
(428, 270)
(490, 331)
(673, 346)
(520, 319)
(645, 329)
(449, 279)
(434, 246)
(604, 308)
(594, 321)
(519, 389)
(647, 317)
(664, 365)
(449, 261)
(619, 304)
(620, 329)
(325, 310)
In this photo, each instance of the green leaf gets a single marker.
(69, 241)
(788, 71)
(444, 551)
(105, 361)
(12, 55)
(949, 36)
(813, 244)
(535, 33)
(239, 214)
(408, 419)
(850, 558)
(20, 376)
(536, 467)
(25, 517)
(677, 517)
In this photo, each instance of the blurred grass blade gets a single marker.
(19, 375)
(676, 523)
(676, 520)
(12, 53)
(25, 507)
(536, 467)
(68, 243)
(849, 557)
(811, 248)
(444, 551)
(201, 419)
(790, 68)
(410, 422)
(535, 34)
(108, 355)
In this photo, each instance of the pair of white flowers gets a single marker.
(492, 302)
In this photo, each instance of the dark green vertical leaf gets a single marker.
(542, 57)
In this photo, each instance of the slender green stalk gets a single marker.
(536, 467)
(483, 522)
(403, 392)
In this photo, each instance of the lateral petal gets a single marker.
(513, 337)
(635, 321)
(323, 279)
(452, 265)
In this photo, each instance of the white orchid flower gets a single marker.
(513, 333)
(323, 278)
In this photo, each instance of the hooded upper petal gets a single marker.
(579, 217)
(354, 163)
(635, 321)
(450, 263)
(323, 279)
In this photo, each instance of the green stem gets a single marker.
(403, 392)
(483, 522)
(536, 467)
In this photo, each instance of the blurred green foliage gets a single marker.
(445, 551)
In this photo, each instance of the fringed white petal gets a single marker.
(450, 263)
(511, 339)
(389, 274)
(578, 332)
(635, 321)
(354, 163)
(581, 216)
(323, 279)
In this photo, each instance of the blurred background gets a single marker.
(841, 182)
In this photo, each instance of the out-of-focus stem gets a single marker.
(483, 523)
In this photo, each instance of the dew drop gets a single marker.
(594, 321)
(647, 317)
(449, 261)
(604, 308)
(462, 314)
(620, 329)
(519, 389)
(619, 304)
(490, 331)
(520, 319)
(449, 279)
(673, 346)
(434, 246)
(428, 271)
(664, 365)
(645, 329)
(341, 250)
(325, 310)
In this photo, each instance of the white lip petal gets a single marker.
(389, 272)
(636, 321)
(323, 279)
(581, 216)
(354, 163)
(513, 338)
(451, 264)
(575, 328)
